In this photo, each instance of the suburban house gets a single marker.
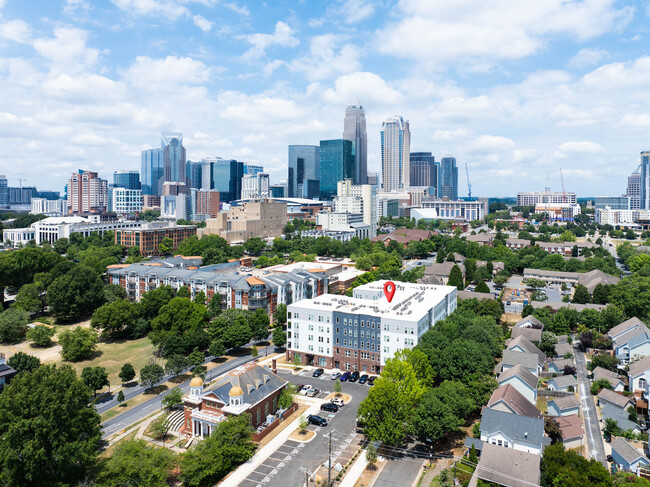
(528, 360)
(612, 377)
(507, 467)
(521, 379)
(557, 366)
(588, 279)
(572, 432)
(633, 343)
(403, 236)
(522, 344)
(439, 273)
(508, 430)
(621, 417)
(562, 383)
(6, 372)
(562, 349)
(530, 322)
(482, 238)
(622, 328)
(249, 388)
(614, 399)
(473, 442)
(562, 339)
(532, 334)
(639, 374)
(627, 457)
(563, 406)
(509, 400)
(517, 243)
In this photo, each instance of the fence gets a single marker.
(262, 434)
(549, 393)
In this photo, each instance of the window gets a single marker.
(322, 361)
(386, 327)
(337, 320)
(373, 335)
(347, 365)
(386, 338)
(347, 353)
(500, 443)
(355, 333)
(320, 339)
(320, 329)
(345, 332)
(345, 321)
(356, 344)
(311, 327)
(310, 338)
(386, 349)
(266, 409)
(373, 325)
(345, 343)
(320, 349)
(363, 334)
(337, 340)
(337, 329)
(320, 318)
(337, 350)
(355, 354)
(362, 323)
(289, 315)
(372, 346)
(310, 317)
(311, 348)
(259, 416)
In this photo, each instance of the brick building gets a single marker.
(149, 236)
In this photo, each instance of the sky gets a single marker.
(516, 89)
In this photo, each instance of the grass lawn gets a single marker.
(542, 404)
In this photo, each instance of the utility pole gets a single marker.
(329, 459)
(307, 474)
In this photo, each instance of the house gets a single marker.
(563, 406)
(622, 328)
(627, 457)
(6, 373)
(573, 433)
(558, 365)
(523, 344)
(496, 265)
(511, 468)
(482, 238)
(605, 396)
(612, 377)
(474, 295)
(555, 305)
(403, 236)
(473, 442)
(621, 417)
(508, 430)
(634, 342)
(459, 258)
(562, 349)
(639, 374)
(530, 322)
(528, 360)
(592, 278)
(522, 380)
(517, 243)
(562, 383)
(439, 273)
(249, 388)
(509, 400)
(563, 339)
(532, 334)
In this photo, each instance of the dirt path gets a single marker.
(46, 355)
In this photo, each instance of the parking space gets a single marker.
(274, 464)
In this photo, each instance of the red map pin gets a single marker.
(389, 290)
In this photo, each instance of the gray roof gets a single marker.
(528, 347)
(567, 402)
(562, 339)
(639, 366)
(620, 416)
(543, 272)
(6, 371)
(533, 334)
(256, 381)
(512, 357)
(563, 380)
(529, 319)
(561, 363)
(627, 451)
(442, 269)
(592, 278)
(526, 376)
(555, 305)
(561, 349)
(514, 426)
(510, 396)
(615, 398)
(637, 339)
(477, 443)
(508, 467)
(473, 295)
(630, 335)
(601, 373)
(626, 325)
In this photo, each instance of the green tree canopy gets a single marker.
(94, 378)
(75, 294)
(581, 295)
(456, 278)
(77, 344)
(115, 320)
(13, 325)
(127, 373)
(31, 298)
(23, 362)
(153, 300)
(151, 374)
(567, 468)
(41, 335)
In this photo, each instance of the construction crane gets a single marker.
(20, 180)
(469, 186)
(563, 192)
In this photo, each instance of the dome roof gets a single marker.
(236, 391)
(196, 382)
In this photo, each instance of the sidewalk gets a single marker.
(356, 470)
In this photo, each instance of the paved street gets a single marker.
(595, 439)
(402, 470)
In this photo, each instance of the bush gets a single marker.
(41, 335)
(78, 343)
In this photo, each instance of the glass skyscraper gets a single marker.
(354, 130)
(4, 192)
(395, 147)
(174, 156)
(193, 175)
(448, 184)
(424, 170)
(223, 175)
(152, 171)
(126, 179)
(645, 180)
(336, 164)
(304, 165)
(250, 168)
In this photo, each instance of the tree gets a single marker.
(254, 351)
(601, 293)
(254, 245)
(75, 294)
(566, 468)
(215, 304)
(599, 385)
(176, 318)
(94, 378)
(279, 337)
(534, 284)
(280, 315)
(116, 319)
(581, 295)
(151, 374)
(160, 428)
(166, 246)
(569, 370)
(552, 429)
(40, 445)
(153, 300)
(482, 288)
(200, 298)
(499, 280)
(114, 292)
(135, 462)
(259, 323)
(605, 361)
(176, 364)
(196, 358)
(337, 387)
(456, 278)
(78, 344)
(13, 325)
(31, 298)
(120, 396)
(217, 349)
(41, 335)
(127, 373)
(371, 455)
(23, 362)
(547, 345)
(230, 445)
(303, 424)
(236, 335)
(174, 397)
(285, 400)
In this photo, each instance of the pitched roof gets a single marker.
(620, 416)
(601, 373)
(255, 381)
(475, 442)
(555, 305)
(561, 349)
(562, 339)
(627, 451)
(519, 371)
(566, 402)
(509, 467)
(474, 295)
(528, 320)
(639, 367)
(532, 334)
(528, 346)
(442, 269)
(625, 326)
(515, 400)
(481, 237)
(564, 380)
(561, 363)
(514, 426)
(615, 398)
(631, 335)
(570, 425)
(592, 278)
(512, 357)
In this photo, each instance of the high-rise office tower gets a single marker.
(255, 186)
(354, 130)
(395, 147)
(4, 192)
(336, 164)
(448, 180)
(152, 171)
(645, 180)
(204, 204)
(193, 174)
(87, 193)
(223, 175)
(252, 168)
(634, 189)
(424, 171)
(304, 165)
(374, 179)
(126, 179)
(174, 156)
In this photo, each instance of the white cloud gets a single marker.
(67, 49)
(262, 109)
(354, 11)
(451, 134)
(82, 88)
(241, 10)
(15, 30)
(490, 143)
(202, 23)
(166, 73)
(587, 57)
(577, 148)
(634, 73)
(283, 36)
(367, 86)
(323, 60)
(72, 6)
(169, 9)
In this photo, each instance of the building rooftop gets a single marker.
(528, 346)
(564, 380)
(639, 367)
(570, 425)
(601, 373)
(519, 371)
(532, 334)
(627, 451)
(530, 321)
(506, 466)
(615, 398)
(509, 395)
(566, 402)
(514, 426)
(512, 357)
(627, 325)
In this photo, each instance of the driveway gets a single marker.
(594, 437)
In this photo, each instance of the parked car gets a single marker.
(318, 373)
(317, 420)
(338, 402)
(354, 376)
(345, 376)
(508, 303)
(329, 407)
(335, 375)
(371, 380)
(609, 458)
(363, 379)
(313, 392)
(305, 389)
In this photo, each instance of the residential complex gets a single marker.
(42, 206)
(87, 193)
(124, 201)
(358, 199)
(148, 237)
(363, 331)
(255, 186)
(443, 209)
(395, 153)
(532, 198)
(204, 204)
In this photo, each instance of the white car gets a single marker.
(305, 390)
(338, 402)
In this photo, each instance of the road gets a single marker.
(400, 470)
(141, 411)
(595, 439)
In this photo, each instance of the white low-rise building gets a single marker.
(42, 206)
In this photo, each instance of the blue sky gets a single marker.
(517, 89)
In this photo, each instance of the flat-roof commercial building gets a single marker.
(363, 331)
(532, 198)
(149, 236)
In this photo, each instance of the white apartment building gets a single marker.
(395, 153)
(174, 207)
(126, 201)
(343, 222)
(363, 331)
(558, 210)
(445, 209)
(608, 216)
(532, 198)
(42, 206)
(358, 198)
(255, 186)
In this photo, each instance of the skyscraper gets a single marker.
(87, 193)
(448, 181)
(152, 171)
(645, 180)
(174, 156)
(252, 168)
(193, 174)
(424, 171)
(395, 147)
(4, 192)
(336, 164)
(634, 189)
(255, 186)
(223, 175)
(354, 130)
(126, 179)
(304, 165)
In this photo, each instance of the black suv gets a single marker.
(354, 376)
(317, 420)
(329, 407)
(371, 380)
(363, 379)
(317, 373)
